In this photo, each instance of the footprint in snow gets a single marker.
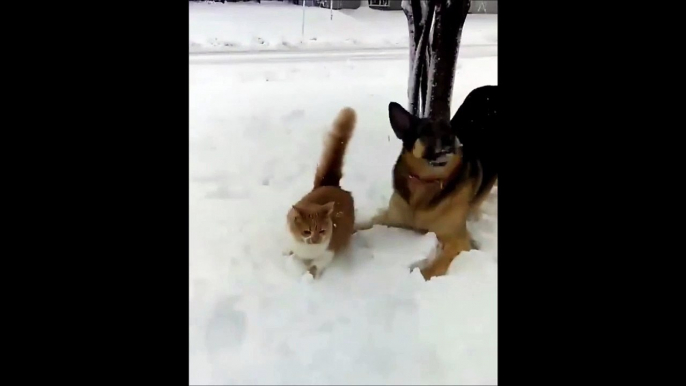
(227, 326)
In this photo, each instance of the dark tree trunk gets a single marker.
(419, 15)
(435, 28)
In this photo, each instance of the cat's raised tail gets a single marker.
(330, 168)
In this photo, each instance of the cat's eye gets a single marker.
(321, 232)
(306, 233)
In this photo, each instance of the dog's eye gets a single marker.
(321, 232)
(306, 233)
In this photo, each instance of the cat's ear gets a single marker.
(298, 211)
(328, 208)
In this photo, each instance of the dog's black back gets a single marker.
(475, 124)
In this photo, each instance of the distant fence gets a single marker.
(478, 6)
(484, 6)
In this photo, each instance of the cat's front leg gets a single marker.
(316, 266)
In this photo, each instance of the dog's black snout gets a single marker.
(445, 150)
(445, 146)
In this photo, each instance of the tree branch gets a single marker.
(445, 45)
(419, 65)
(411, 9)
(424, 84)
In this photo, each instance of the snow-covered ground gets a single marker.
(257, 123)
(274, 25)
(256, 131)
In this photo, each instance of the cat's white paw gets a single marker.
(306, 277)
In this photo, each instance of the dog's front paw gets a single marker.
(432, 271)
(363, 226)
(421, 264)
(380, 216)
(369, 224)
(475, 215)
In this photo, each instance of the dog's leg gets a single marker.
(366, 225)
(475, 214)
(451, 247)
(363, 226)
(395, 216)
(378, 219)
(389, 219)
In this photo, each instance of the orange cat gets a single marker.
(322, 222)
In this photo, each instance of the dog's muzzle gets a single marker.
(441, 159)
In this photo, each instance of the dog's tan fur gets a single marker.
(444, 172)
(447, 219)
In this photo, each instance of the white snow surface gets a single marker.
(274, 25)
(256, 134)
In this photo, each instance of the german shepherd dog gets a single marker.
(444, 172)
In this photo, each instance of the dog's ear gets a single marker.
(401, 120)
